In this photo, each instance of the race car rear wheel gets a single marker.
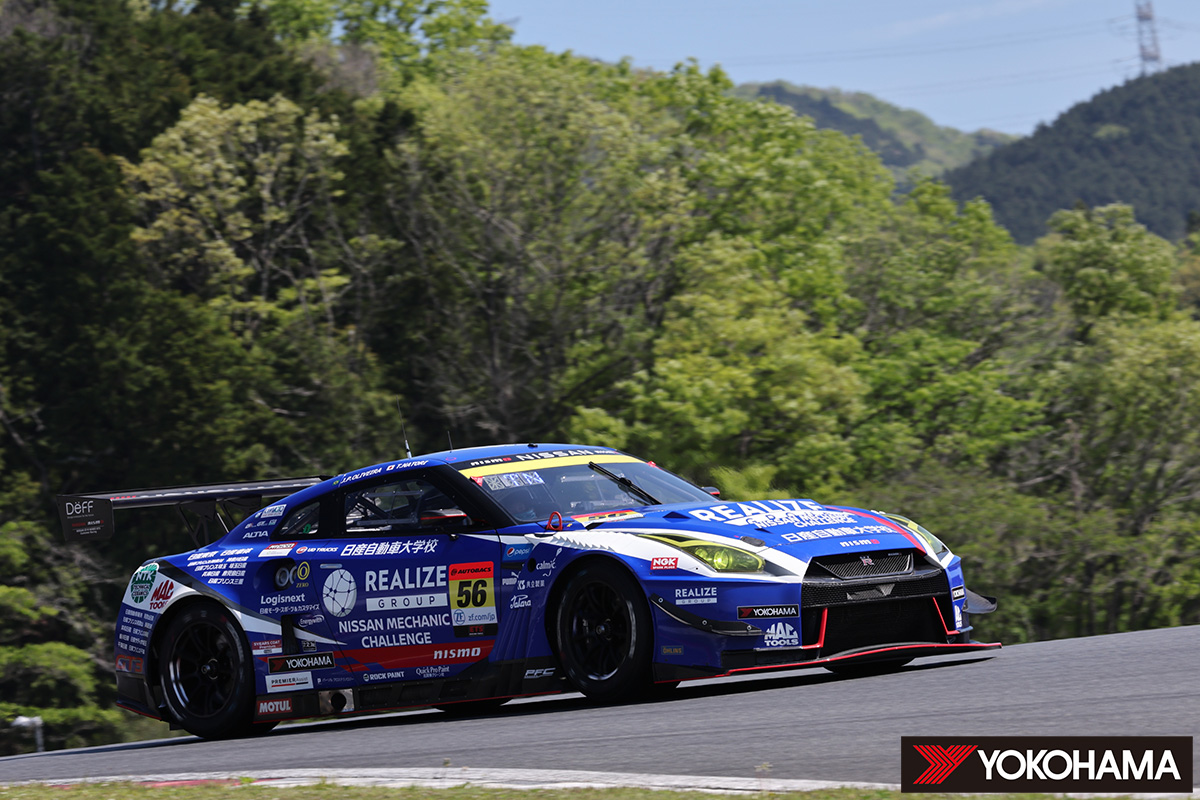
(603, 633)
(205, 671)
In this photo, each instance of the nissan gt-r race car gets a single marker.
(464, 578)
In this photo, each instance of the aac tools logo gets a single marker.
(994, 764)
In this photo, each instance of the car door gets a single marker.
(304, 654)
(412, 593)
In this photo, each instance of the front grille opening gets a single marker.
(906, 620)
(849, 566)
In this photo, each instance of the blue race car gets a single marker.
(465, 578)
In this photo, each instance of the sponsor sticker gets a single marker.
(130, 664)
(277, 550)
(1054, 764)
(517, 553)
(266, 647)
(511, 480)
(162, 593)
(472, 595)
(768, 612)
(781, 635)
(606, 516)
(298, 663)
(142, 581)
(289, 682)
(696, 596)
(407, 602)
(339, 593)
(664, 562)
(274, 708)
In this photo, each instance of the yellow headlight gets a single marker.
(720, 557)
(723, 558)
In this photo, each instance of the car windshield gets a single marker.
(530, 492)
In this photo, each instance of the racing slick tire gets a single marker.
(864, 669)
(206, 674)
(603, 633)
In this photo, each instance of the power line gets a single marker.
(911, 51)
(1009, 79)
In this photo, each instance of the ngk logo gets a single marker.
(664, 562)
(162, 593)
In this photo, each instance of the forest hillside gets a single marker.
(1137, 144)
(906, 141)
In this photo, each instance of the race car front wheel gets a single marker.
(205, 672)
(603, 633)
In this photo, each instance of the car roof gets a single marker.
(460, 458)
(512, 449)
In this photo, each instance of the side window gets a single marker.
(301, 523)
(402, 506)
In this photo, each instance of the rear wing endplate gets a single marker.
(90, 516)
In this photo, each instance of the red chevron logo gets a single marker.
(942, 760)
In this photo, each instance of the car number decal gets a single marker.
(473, 598)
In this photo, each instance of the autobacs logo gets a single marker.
(1125, 764)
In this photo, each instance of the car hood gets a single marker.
(802, 528)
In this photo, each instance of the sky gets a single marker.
(1007, 65)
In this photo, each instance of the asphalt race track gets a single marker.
(806, 724)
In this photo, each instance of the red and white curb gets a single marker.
(447, 777)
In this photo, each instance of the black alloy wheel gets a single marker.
(603, 633)
(206, 674)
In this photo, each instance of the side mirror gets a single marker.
(714, 491)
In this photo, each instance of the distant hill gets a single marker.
(905, 140)
(1138, 143)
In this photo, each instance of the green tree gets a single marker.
(538, 212)
(238, 210)
(1107, 264)
(942, 296)
(738, 379)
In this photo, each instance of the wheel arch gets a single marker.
(555, 593)
(163, 624)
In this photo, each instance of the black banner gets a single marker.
(85, 517)
(992, 764)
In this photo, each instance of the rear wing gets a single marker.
(90, 516)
